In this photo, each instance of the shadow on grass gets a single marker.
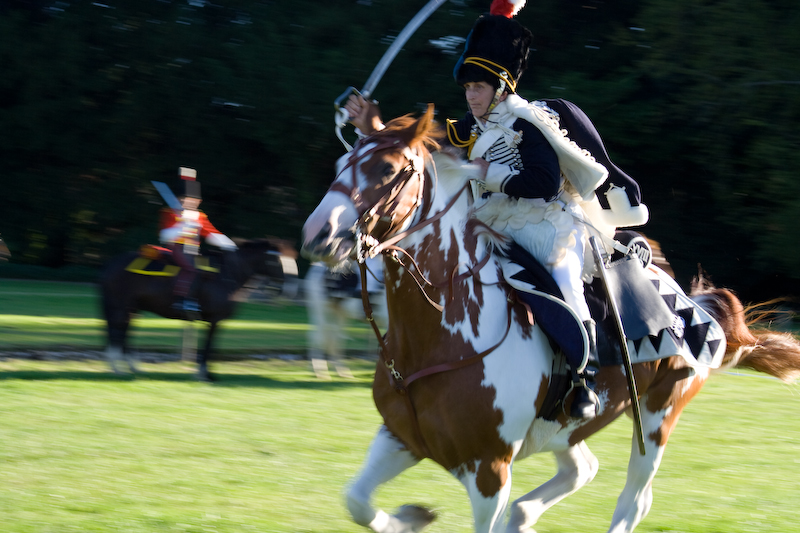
(220, 380)
(311, 383)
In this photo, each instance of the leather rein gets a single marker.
(369, 246)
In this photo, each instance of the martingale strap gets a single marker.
(396, 378)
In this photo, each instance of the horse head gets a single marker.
(378, 190)
(265, 257)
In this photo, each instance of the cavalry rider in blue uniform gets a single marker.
(181, 232)
(534, 180)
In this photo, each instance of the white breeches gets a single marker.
(567, 274)
(558, 242)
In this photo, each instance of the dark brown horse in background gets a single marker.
(125, 293)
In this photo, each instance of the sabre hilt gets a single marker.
(342, 117)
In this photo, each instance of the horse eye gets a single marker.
(387, 170)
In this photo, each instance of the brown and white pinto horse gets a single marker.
(463, 377)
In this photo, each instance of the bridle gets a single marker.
(367, 245)
(393, 194)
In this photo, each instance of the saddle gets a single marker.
(658, 318)
(155, 260)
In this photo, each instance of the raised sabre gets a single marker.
(342, 116)
(168, 196)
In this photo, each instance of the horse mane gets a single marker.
(415, 132)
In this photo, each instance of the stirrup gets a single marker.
(584, 408)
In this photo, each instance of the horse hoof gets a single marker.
(320, 367)
(344, 372)
(414, 517)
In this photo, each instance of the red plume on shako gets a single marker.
(506, 8)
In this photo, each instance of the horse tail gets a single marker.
(749, 345)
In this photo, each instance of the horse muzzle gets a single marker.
(327, 248)
(328, 232)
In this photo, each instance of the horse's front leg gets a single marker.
(387, 458)
(202, 357)
(577, 466)
(488, 510)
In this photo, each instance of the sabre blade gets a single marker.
(341, 115)
(168, 196)
(394, 49)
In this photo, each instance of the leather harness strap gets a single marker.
(396, 379)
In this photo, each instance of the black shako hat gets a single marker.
(496, 48)
(190, 187)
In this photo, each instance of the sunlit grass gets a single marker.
(270, 448)
(50, 315)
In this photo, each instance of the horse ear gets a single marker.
(424, 122)
(425, 128)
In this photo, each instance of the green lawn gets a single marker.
(52, 315)
(270, 449)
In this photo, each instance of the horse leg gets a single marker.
(668, 399)
(127, 354)
(488, 512)
(577, 466)
(661, 406)
(387, 458)
(335, 336)
(202, 356)
(636, 498)
(117, 331)
(319, 316)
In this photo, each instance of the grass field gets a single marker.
(270, 449)
(52, 315)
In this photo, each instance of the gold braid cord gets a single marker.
(494, 68)
(454, 139)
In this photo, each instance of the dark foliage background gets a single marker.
(698, 100)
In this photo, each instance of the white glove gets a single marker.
(222, 241)
(171, 234)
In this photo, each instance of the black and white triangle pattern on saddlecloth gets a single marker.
(694, 334)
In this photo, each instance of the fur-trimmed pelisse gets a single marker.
(498, 39)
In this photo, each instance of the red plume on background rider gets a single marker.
(506, 8)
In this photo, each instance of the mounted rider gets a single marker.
(182, 231)
(537, 184)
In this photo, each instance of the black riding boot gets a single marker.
(584, 404)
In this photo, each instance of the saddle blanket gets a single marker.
(693, 334)
(154, 267)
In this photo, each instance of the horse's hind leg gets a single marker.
(117, 331)
(128, 355)
(203, 374)
(661, 406)
(577, 466)
(386, 459)
(636, 498)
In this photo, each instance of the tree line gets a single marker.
(698, 101)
